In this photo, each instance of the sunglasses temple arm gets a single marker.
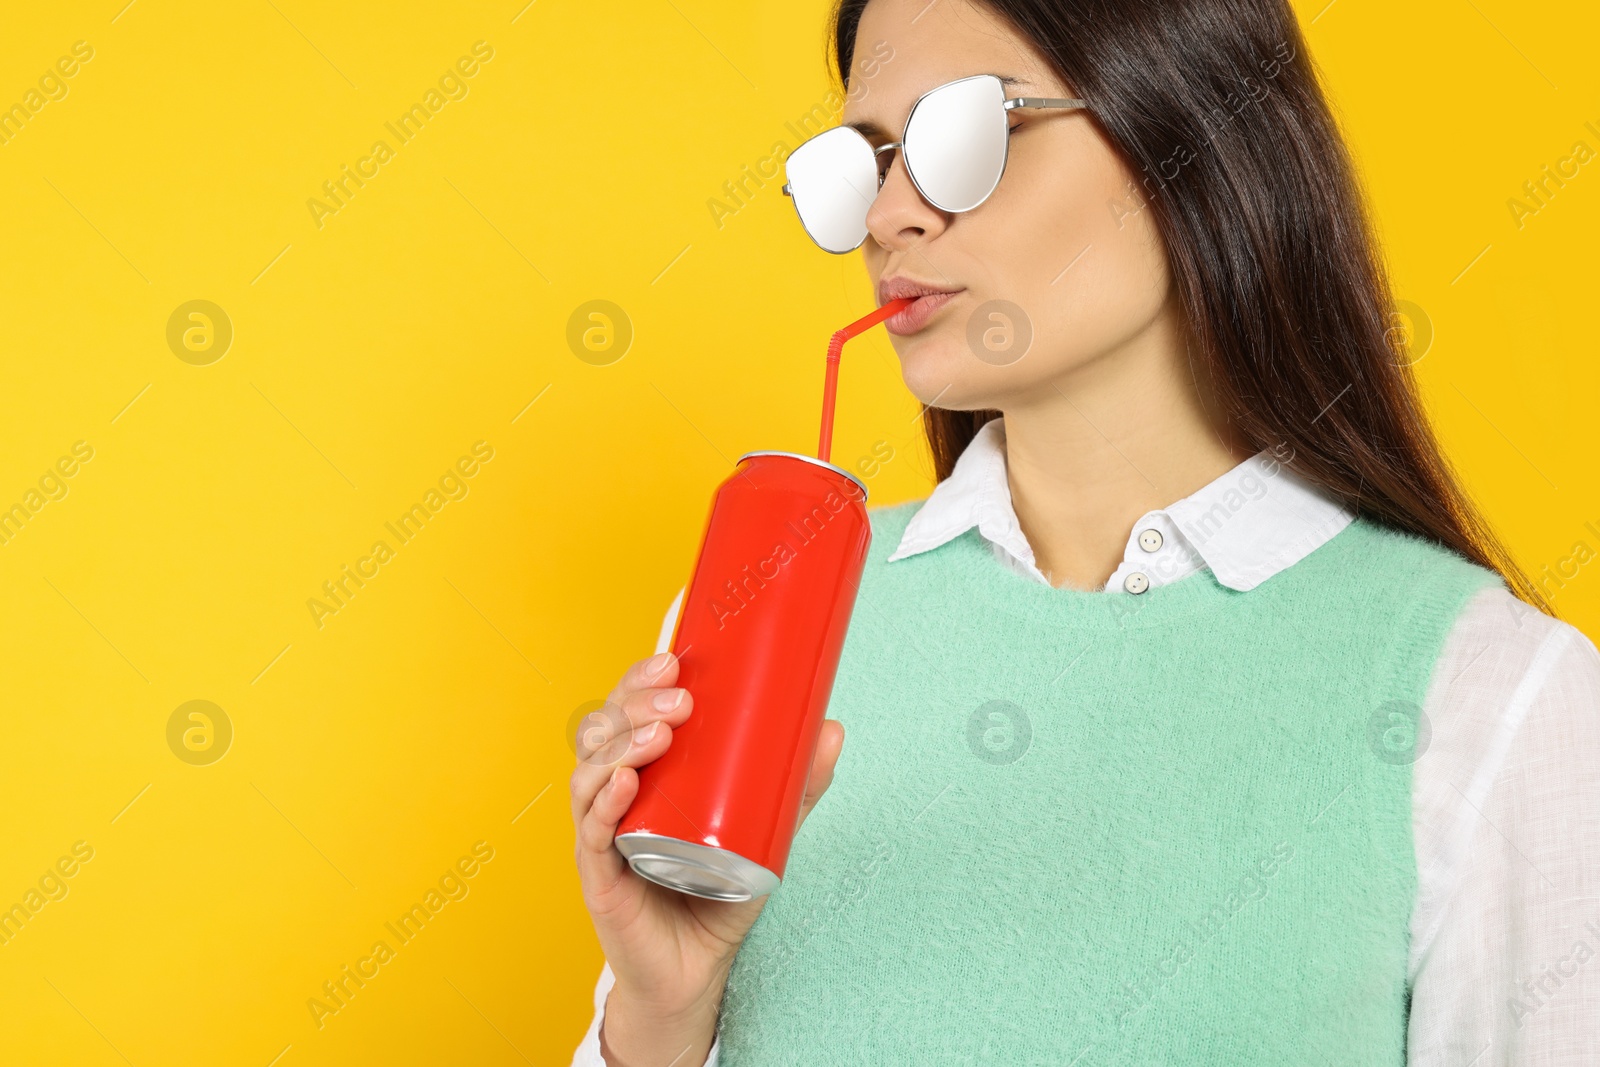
(830, 385)
(1052, 102)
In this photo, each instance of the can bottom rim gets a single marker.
(696, 869)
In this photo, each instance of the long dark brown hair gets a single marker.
(1216, 106)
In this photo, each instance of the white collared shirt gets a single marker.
(1249, 524)
(1505, 933)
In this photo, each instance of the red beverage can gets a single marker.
(758, 639)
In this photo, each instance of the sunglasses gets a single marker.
(955, 145)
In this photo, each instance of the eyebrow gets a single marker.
(872, 129)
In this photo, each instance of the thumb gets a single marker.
(830, 742)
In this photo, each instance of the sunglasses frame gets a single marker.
(1030, 102)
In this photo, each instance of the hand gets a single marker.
(670, 952)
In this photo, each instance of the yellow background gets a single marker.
(370, 353)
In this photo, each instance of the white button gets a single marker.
(1136, 583)
(1150, 540)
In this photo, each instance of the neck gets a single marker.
(1094, 449)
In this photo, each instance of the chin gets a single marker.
(936, 369)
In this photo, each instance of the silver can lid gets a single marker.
(696, 869)
(810, 459)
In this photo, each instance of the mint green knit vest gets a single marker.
(1104, 829)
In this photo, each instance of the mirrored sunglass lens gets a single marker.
(955, 143)
(833, 180)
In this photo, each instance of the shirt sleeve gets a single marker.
(668, 623)
(1506, 821)
(588, 1053)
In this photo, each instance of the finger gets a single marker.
(598, 825)
(830, 742)
(652, 671)
(601, 735)
(599, 865)
(605, 737)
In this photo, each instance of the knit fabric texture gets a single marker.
(1099, 828)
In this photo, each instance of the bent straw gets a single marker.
(830, 385)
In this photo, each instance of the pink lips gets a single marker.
(927, 299)
(915, 317)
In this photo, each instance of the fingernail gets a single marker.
(643, 736)
(658, 663)
(667, 699)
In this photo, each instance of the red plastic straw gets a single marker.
(830, 385)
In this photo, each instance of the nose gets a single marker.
(899, 217)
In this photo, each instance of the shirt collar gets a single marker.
(1247, 525)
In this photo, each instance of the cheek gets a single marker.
(1084, 258)
(1065, 239)
(1119, 285)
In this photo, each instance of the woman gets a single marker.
(1195, 716)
